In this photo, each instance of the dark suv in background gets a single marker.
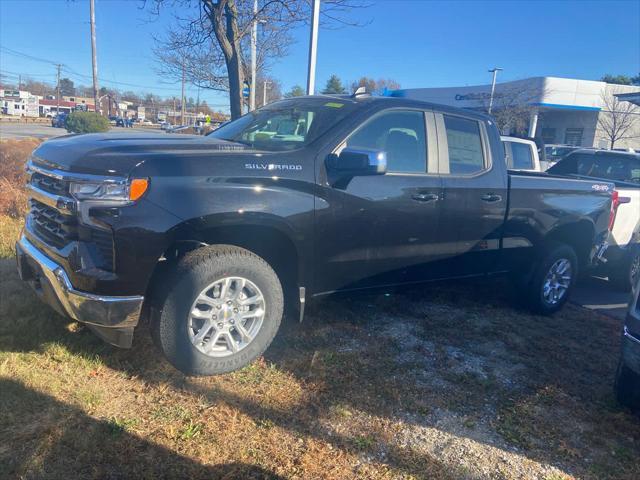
(628, 374)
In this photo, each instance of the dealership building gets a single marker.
(559, 110)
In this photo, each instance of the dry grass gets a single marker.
(440, 382)
(13, 156)
(9, 231)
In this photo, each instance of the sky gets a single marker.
(418, 43)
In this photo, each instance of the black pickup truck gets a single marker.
(210, 237)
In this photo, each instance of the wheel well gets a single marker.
(275, 247)
(579, 236)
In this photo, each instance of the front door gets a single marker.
(382, 230)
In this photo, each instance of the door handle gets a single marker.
(491, 198)
(425, 197)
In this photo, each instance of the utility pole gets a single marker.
(313, 48)
(264, 92)
(182, 99)
(59, 66)
(254, 41)
(94, 57)
(19, 82)
(495, 71)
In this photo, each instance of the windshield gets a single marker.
(286, 125)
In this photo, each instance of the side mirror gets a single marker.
(355, 162)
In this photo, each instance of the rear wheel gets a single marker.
(222, 308)
(552, 279)
(627, 386)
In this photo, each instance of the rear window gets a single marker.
(465, 145)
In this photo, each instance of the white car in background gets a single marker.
(521, 154)
(622, 169)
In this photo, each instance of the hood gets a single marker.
(118, 154)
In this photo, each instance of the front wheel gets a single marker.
(552, 280)
(222, 308)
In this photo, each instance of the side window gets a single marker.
(522, 156)
(465, 145)
(401, 134)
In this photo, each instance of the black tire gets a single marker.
(624, 274)
(627, 387)
(194, 272)
(533, 292)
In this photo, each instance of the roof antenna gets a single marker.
(360, 92)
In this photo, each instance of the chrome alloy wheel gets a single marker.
(557, 281)
(226, 316)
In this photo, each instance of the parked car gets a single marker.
(59, 120)
(113, 119)
(622, 169)
(521, 154)
(211, 236)
(165, 125)
(627, 384)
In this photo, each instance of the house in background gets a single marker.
(19, 103)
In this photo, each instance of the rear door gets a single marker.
(383, 230)
(474, 193)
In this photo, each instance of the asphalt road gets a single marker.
(45, 131)
(597, 294)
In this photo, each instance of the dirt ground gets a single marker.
(449, 381)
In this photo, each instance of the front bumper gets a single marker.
(111, 318)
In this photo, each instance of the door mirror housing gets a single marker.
(355, 162)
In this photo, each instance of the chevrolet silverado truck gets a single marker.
(210, 237)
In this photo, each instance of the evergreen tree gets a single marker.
(334, 85)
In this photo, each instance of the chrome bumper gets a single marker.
(112, 318)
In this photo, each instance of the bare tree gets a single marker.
(513, 107)
(617, 119)
(210, 39)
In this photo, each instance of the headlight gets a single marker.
(111, 192)
(100, 191)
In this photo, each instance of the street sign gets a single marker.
(245, 92)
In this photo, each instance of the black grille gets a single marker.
(59, 230)
(50, 184)
(53, 227)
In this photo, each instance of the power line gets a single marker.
(78, 74)
(25, 55)
(28, 75)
